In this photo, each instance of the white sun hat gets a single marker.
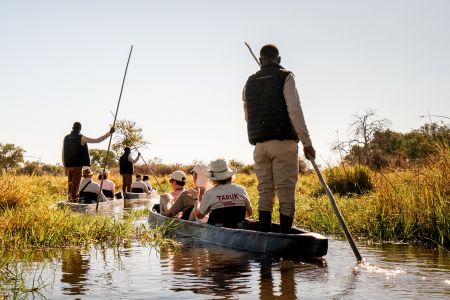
(219, 170)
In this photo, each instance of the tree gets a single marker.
(362, 130)
(10, 156)
(98, 158)
(127, 135)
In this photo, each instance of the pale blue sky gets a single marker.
(63, 61)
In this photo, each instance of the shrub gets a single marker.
(349, 180)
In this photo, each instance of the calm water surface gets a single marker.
(200, 271)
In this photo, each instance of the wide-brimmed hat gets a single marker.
(87, 172)
(178, 176)
(199, 169)
(219, 170)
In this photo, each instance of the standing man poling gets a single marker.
(275, 124)
(75, 155)
(126, 163)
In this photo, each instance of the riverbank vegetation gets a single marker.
(29, 218)
(389, 186)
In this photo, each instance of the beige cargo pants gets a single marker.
(276, 167)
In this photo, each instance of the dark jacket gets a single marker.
(75, 154)
(125, 166)
(267, 115)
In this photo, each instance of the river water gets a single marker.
(200, 271)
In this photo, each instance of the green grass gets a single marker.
(403, 205)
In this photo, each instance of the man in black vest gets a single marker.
(126, 163)
(75, 155)
(275, 125)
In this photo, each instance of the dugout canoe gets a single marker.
(107, 207)
(298, 243)
(140, 200)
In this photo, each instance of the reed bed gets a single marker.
(29, 218)
(403, 205)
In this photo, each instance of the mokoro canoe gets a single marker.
(139, 200)
(299, 243)
(108, 207)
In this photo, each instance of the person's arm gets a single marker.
(248, 208)
(85, 139)
(294, 108)
(244, 100)
(176, 207)
(201, 206)
(248, 205)
(131, 160)
(295, 112)
(145, 188)
(196, 210)
(103, 197)
(62, 155)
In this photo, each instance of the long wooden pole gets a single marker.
(328, 192)
(253, 54)
(148, 167)
(114, 124)
(153, 174)
(336, 211)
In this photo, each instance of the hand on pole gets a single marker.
(310, 153)
(112, 130)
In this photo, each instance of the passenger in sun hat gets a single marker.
(108, 186)
(89, 189)
(226, 203)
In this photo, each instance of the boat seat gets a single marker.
(108, 193)
(88, 197)
(137, 190)
(231, 217)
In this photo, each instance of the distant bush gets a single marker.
(349, 180)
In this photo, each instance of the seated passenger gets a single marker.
(202, 183)
(177, 181)
(185, 201)
(139, 186)
(228, 204)
(108, 186)
(147, 182)
(89, 189)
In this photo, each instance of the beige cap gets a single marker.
(178, 176)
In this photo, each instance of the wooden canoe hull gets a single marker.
(140, 200)
(108, 207)
(301, 244)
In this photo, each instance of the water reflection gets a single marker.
(217, 271)
(227, 273)
(287, 280)
(74, 269)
